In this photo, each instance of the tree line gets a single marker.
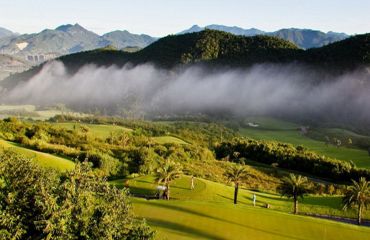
(289, 157)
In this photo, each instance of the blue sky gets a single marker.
(162, 17)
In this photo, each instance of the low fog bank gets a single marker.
(260, 90)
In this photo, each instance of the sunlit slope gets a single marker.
(44, 159)
(98, 130)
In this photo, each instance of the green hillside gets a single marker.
(44, 159)
(350, 52)
(216, 46)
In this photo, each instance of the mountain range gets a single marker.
(67, 39)
(303, 38)
(216, 49)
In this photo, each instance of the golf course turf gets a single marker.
(207, 212)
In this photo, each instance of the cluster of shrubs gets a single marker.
(200, 133)
(329, 189)
(120, 154)
(289, 157)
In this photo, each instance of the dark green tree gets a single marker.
(294, 187)
(236, 173)
(166, 174)
(357, 195)
(24, 191)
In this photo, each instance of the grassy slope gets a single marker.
(207, 212)
(168, 139)
(270, 129)
(44, 159)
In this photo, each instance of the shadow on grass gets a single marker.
(277, 198)
(143, 181)
(329, 202)
(172, 186)
(189, 211)
(182, 228)
(228, 198)
(137, 191)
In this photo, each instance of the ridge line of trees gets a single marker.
(289, 157)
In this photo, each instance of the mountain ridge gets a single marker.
(6, 32)
(303, 38)
(67, 39)
(72, 38)
(221, 49)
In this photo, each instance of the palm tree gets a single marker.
(357, 194)
(236, 173)
(166, 174)
(294, 187)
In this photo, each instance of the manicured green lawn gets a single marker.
(202, 220)
(44, 159)
(207, 212)
(270, 129)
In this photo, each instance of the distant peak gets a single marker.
(196, 27)
(68, 27)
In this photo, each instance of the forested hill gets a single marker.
(216, 46)
(350, 53)
(213, 47)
